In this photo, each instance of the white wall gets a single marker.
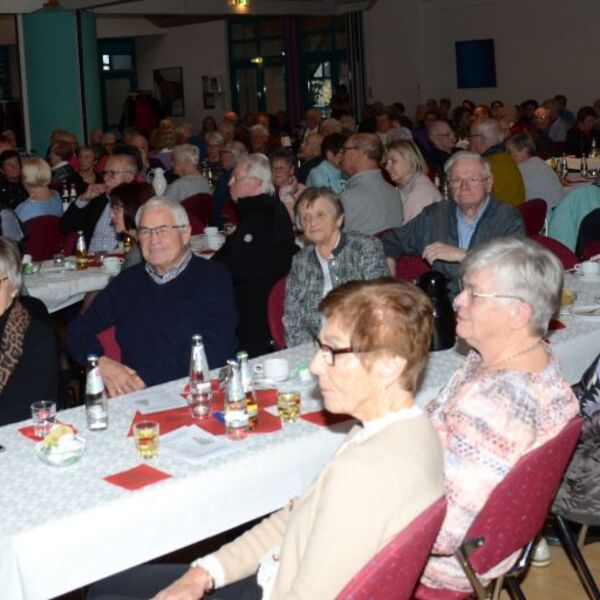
(543, 47)
(200, 49)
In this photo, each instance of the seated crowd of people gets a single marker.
(330, 207)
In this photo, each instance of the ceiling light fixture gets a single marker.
(240, 3)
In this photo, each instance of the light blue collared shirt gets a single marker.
(466, 230)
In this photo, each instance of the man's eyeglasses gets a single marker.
(346, 148)
(116, 208)
(328, 353)
(458, 181)
(161, 231)
(470, 293)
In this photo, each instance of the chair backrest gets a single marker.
(534, 215)
(515, 511)
(590, 249)
(568, 259)
(199, 210)
(109, 343)
(275, 313)
(393, 573)
(409, 268)
(44, 238)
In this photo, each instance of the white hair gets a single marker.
(237, 149)
(214, 138)
(187, 152)
(467, 155)
(258, 128)
(525, 269)
(491, 130)
(258, 166)
(180, 216)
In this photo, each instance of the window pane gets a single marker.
(317, 43)
(272, 47)
(243, 31)
(122, 62)
(105, 59)
(316, 23)
(244, 50)
(271, 27)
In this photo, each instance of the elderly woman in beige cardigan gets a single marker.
(370, 352)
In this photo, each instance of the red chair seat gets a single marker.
(199, 210)
(534, 215)
(514, 512)
(409, 268)
(275, 313)
(393, 573)
(568, 258)
(109, 344)
(43, 237)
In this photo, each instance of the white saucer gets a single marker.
(590, 312)
(583, 277)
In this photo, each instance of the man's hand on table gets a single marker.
(119, 379)
(445, 252)
(190, 586)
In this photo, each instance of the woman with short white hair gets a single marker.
(191, 181)
(42, 201)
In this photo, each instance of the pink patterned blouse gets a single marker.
(487, 421)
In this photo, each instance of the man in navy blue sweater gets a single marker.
(158, 305)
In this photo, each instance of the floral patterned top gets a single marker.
(487, 421)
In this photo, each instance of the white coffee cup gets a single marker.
(273, 369)
(112, 264)
(214, 243)
(211, 232)
(589, 268)
(27, 259)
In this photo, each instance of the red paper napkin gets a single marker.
(555, 324)
(168, 420)
(137, 478)
(28, 431)
(325, 418)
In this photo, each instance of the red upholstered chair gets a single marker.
(409, 268)
(512, 517)
(275, 313)
(44, 238)
(230, 213)
(534, 215)
(590, 249)
(199, 210)
(568, 258)
(394, 572)
(109, 344)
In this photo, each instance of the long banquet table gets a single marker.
(63, 528)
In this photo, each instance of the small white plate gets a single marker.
(590, 312)
(594, 278)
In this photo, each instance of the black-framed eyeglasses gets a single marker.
(160, 231)
(328, 353)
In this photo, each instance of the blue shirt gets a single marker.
(466, 230)
(29, 209)
(327, 175)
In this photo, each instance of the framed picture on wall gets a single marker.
(168, 88)
(475, 64)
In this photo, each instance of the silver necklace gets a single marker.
(513, 356)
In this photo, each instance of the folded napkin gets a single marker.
(28, 431)
(137, 478)
(325, 418)
(555, 324)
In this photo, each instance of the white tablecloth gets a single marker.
(64, 528)
(58, 289)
